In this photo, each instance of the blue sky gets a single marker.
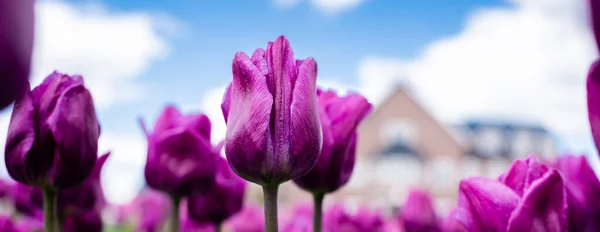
(462, 60)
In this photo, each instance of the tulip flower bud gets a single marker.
(270, 107)
(53, 134)
(225, 199)
(340, 116)
(181, 160)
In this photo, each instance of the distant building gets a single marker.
(402, 146)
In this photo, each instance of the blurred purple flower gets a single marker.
(393, 225)
(339, 116)
(223, 200)
(300, 219)
(583, 192)
(86, 197)
(528, 197)
(7, 225)
(418, 213)
(270, 107)
(249, 219)
(16, 47)
(31, 224)
(595, 19)
(5, 186)
(149, 210)
(188, 224)
(181, 160)
(53, 134)
(337, 218)
(27, 200)
(90, 221)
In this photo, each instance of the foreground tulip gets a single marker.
(583, 192)
(418, 213)
(593, 78)
(181, 160)
(339, 116)
(273, 131)
(529, 197)
(16, 46)
(86, 197)
(52, 138)
(224, 200)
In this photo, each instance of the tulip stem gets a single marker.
(270, 198)
(318, 211)
(50, 196)
(175, 213)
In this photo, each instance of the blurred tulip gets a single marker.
(583, 192)
(7, 225)
(337, 218)
(31, 224)
(90, 221)
(595, 19)
(53, 134)
(181, 160)
(273, 130)
(150, 210)
(86, 197)
(16, 47)
(418, 213)
(224, 200)
(27, 200)
(393, 225)
(249, 219)
(340, 116)
(300, 219)
(529, 197)
(5, 186)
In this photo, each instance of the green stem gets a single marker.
(175, 213)
(270, 198)
(218, 227)
(318, 211)
(50, 196)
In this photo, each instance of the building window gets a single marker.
(489, 142)
(400, 129)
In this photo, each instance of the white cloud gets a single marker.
(123, 173)
(528, 61)
(111, 50)
(327, 6)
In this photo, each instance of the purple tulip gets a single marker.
(583, 192)
(337, 218)
(27, 200)
(339, 117)
(181, 160)
(392, 225)
(86, 197)
(90, 221)
(249, 219)
(7, 225)
(529, 197)
(224, 200)
(593, 100)
(53, 134)
(31, 224)
(300, 220)
(418, 213)
(595, 18)
(150, 210)
(5, 186)
(273, 131)
(16, 47)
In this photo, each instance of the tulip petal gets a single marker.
(484, 204)
(522, 173)
(248, 144)
(179, 161)
(168, 119)
(226, 102)
(595, 18)
(201, 124)
(75, 129)
(543, 207)
(305, 122)
(346, 113)
(593, 100)
(20, 141)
